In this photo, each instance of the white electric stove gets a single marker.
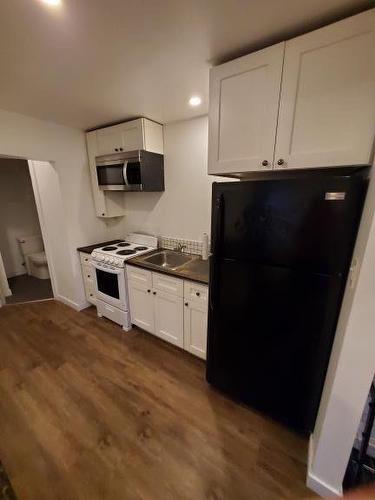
(112, 299)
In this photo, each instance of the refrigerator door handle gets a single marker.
(216, 241)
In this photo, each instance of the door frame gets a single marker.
(8, 291)
(32, 167)
(42, 221)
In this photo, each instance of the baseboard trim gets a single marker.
(71, 303)
(320, 487)
(316, 484)
(83, 305)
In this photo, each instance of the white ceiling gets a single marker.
(93, 62)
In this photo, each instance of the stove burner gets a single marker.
(123, 244)
(125, 252)
(109, 249)
(140, 248)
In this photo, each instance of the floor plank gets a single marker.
(90, 412)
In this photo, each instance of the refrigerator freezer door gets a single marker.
(306, 223)
(270, 336)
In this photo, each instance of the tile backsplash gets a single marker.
(191, 246)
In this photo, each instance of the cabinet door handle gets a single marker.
(154, 293)
(121, 149)
(186, 304)
(148, 291)
(265, 163)
(116, 149)
(280, 161)
(197, 294)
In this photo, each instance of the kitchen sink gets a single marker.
(168, 259)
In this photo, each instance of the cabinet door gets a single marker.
(244, 103)
(327, 105)
(195, 328)
(90, 291)
(169, 317)
(131, 135)
(109, 140)
(124, 137)
(141, 306)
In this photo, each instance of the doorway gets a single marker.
(23, 256)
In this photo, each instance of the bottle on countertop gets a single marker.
(205, 246)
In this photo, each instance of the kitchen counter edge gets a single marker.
(198, 278)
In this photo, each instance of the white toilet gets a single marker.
(32, 249)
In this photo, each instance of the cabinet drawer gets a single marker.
(138, 275)
(116, 314)
(195, 292)
(85, 258)
(90, 291)
(88, 273)
(168, 284)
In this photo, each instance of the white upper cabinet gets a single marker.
(129, 136)
(244, 102)
(321, 113)
(123, 137)
(327, 106)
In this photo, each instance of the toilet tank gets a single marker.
(31, 244)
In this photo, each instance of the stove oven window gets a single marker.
(107, 284)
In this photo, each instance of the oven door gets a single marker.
(110, 286)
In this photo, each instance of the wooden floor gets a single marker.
(90, 412)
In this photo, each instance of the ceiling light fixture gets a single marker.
(195, 100)
(52, 3)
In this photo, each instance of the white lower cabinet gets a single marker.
(195, 318)
(169, 322)
(88, 277)
(195, 329)
(157, 306)
(141, 306)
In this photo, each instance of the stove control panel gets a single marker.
(107, 260)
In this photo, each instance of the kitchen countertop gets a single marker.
(196, 270)
(90, 248)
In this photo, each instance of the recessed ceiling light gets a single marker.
(52, 3)
(195, 100)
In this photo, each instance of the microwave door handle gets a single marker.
(125, 172)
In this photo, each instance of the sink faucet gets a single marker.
(180, 248)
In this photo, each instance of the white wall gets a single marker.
(18, 214)
(183, 210)
(25, 137)
(351, 368)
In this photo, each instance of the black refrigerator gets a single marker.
(281, 251)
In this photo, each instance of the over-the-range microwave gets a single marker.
(131, 171)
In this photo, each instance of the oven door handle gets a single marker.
(125, 172)
(107, 270)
